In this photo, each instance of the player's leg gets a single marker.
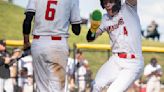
(157, 86)
(40, 71)
(38, 50)
(8, 86)
(150, 86)
(49, 64)
(106, 74)
(82, 86)
(57, 58)
(1, 84)
(129, 73)
(56, 78)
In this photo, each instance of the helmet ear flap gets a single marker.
(102, 4)
(117, 6)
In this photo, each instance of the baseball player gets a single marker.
(81, 71)
(153, 73)
(125, 65)
(49, 47)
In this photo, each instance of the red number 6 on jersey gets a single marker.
(50, 12)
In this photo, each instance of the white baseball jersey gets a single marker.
(149, 69)
(125, 34)
(153, 82)
(70, 65)
(52, 17)
(26, 62)
(124, 30)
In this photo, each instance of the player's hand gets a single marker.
(7, 60)
(154, 72)
(95, 18)
(27, 43)
(94, 26)
(26, 46)
(90, 36)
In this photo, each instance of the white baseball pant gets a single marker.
(119, 73)
(49, 62)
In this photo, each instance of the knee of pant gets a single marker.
(116, 89)
(97, 86)
(59, 72)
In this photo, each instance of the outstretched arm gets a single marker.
(95, 19)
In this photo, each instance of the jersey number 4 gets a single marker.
(50, 12)
(125, 31)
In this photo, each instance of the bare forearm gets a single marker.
(26, 41)
(26, 38)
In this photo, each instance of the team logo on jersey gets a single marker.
(115, 26)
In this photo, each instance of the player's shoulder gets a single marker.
(106, 17)
(127, 6)
(148, 66)
(158, 66)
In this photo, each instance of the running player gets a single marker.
(126, 63)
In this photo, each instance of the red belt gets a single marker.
(125, 55)
(52, 37)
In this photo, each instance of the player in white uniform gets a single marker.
(80, 71)
(126, 63)
(153, 73)
(49, 47)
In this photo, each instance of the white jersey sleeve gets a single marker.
(31, 6)
(147, 70)
(101, 28)
(131, 6)
(75, 14)
(159, 68)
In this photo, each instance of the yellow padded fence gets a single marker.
(91, 46)
(107, 47)
(14, 42)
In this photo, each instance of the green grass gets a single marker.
(11, 18)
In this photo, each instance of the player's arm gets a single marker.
(94, 31)
(27, 28)
(75, 18)
(91, 36)
(158, 72)
(131, 2)
(151, 73)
